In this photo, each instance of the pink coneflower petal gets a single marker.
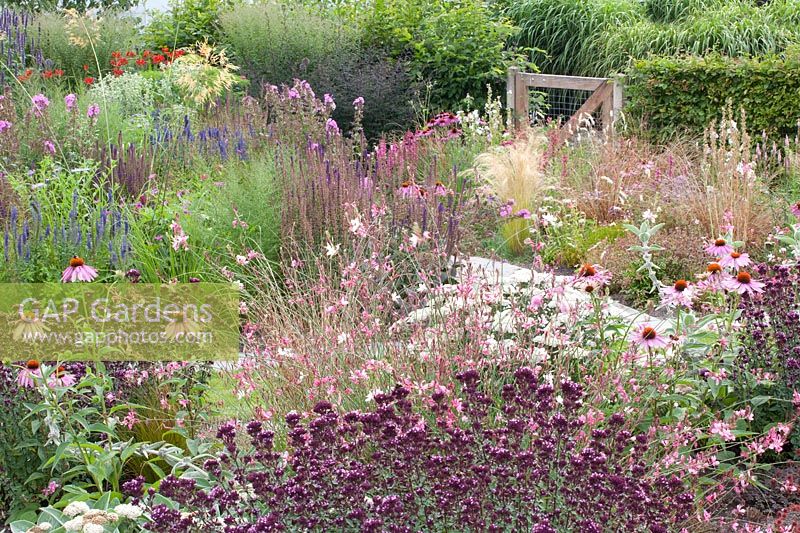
(78, 271)
(26, 375)
(719, 248)
(681, 293)
(743, 283)
(796, 209)
(649, 337)
(735, 260)
(61, 378)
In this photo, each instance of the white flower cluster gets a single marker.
(83, 519)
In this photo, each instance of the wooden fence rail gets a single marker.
(606, 97)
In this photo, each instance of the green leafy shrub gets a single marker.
(187, 22)
(21, 448)
(134, 95)
(682, 94)
(459, 46)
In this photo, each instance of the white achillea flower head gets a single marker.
(76, 508)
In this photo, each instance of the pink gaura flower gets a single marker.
(719, 248)
(744, 283)
(130, 419)
(735, 260)
(180, 241)
(49, 147)
(78, 271)
(648, 337)
(681, 293)
(358, 102)
(795, 206)
(723, 430)
(523, 213)
(26, 376)
(5, 126)
(51, 488)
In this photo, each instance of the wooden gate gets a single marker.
(601, 99)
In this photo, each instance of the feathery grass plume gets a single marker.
(514, 172)
(204, 74)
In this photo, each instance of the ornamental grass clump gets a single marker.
(519, 458)
(515, 175)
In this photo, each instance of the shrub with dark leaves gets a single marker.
(772, 320)
(531, 463)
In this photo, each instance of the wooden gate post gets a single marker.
(511, 95)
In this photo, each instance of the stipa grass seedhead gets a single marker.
(515, 174)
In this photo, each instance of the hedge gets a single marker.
(685, 94)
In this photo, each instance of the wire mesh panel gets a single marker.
(550, 105)
(574, 103)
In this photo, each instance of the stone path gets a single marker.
(503, 273)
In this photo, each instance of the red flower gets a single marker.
(141, 62)
(158, 59)
(118, 72)
(58, 72)
(86, 68)
(88, 80)
(26, 76)
(130, 53)
(165, 49)
(47, 74)
(179, 53)
(116, 54)
(146, 53)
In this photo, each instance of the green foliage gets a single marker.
(459, 46)
(564, 32)
(135, 95)
(187, 22)
(68, 215)
(568, 241)
(239, 211)
(22, 449)
(72, 42)
(275, 44)
(675, 95)
(42, 6)
(600, 37)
